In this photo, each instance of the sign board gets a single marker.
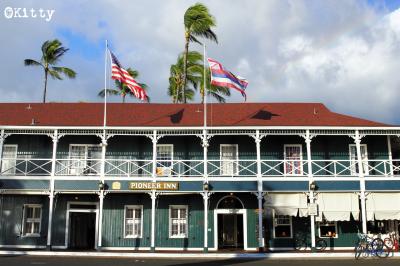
(154, 185)
(313, 209)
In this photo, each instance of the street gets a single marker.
(75, 261)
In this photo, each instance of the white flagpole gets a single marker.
(105, 86)
(205, 86)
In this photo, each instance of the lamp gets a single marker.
(206, 187)
(101, 185)
(313, 186)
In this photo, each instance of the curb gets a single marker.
(187, 255)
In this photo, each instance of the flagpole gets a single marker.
(105, 86)
(205, 86)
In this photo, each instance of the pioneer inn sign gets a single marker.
(258, 176)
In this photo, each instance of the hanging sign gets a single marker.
(154, 185)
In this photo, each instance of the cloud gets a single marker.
(345, 56)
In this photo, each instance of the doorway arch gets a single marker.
(231, 209)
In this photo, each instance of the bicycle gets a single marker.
(367, 246)
(300, 243)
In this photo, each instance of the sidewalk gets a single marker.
(280, 255)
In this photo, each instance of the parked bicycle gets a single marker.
(368, 246)
(301, 243)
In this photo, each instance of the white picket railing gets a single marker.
(25, 167)
(195, 168)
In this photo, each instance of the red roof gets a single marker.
(176, 115)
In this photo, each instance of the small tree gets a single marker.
(52, 51)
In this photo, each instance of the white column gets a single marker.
(154, 138)
(357, 141)
(154, 141)
(259, 191)
(51, 196)
(101, 192)
(100, 227)
(2, 139)
(153, 196)
(389, 144)
(206, 196)
(310, 180)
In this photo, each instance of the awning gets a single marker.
(287, 203)
(383, 206)
(337, 206)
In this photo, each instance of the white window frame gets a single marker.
(12, 170)
(285, 160)
(327, 223)
(84, 160)
(365, 165)
(274, 217)
(32, 220)
(185, 234)
(235, 161)
(165, 170)
(141, 220)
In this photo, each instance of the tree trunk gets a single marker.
(123, 98)
(187, 34)
(45, 86)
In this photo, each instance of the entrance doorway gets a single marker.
(230, 224)
(82, 230)
(81, 227)
(230, 231)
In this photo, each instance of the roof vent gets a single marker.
(29, 107)
(315, 111)
(33, 122)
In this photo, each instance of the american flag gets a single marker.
(223, 78)
(120, 74)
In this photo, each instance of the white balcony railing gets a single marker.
(180, 168)
(195, 168)
(273, 168)
(25, 167)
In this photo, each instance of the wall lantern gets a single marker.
(313, 186)
(101, 185)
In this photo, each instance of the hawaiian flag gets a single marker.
(223, 78)
(120, 74)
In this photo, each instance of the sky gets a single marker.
(342, 53)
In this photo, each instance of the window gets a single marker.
(32, 220)
(133, 221)
(9, 159)
(84, 159)
(328, 229)
(354, 158)
(178, 219)
(293, 159)
(229, 159)
(282, 226)
(165, 156)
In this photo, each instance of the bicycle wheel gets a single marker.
(367, 250)
(320, 245)
(379, 248)
(300, 244)
(388, 242)
(358, 250)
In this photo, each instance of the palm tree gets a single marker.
(198, 22)
(195, 78)
(122, 89)
(52, 51)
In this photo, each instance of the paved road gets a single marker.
(68, 261)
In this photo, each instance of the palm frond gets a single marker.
(31, 62)
(66, 71)
(102, 93)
